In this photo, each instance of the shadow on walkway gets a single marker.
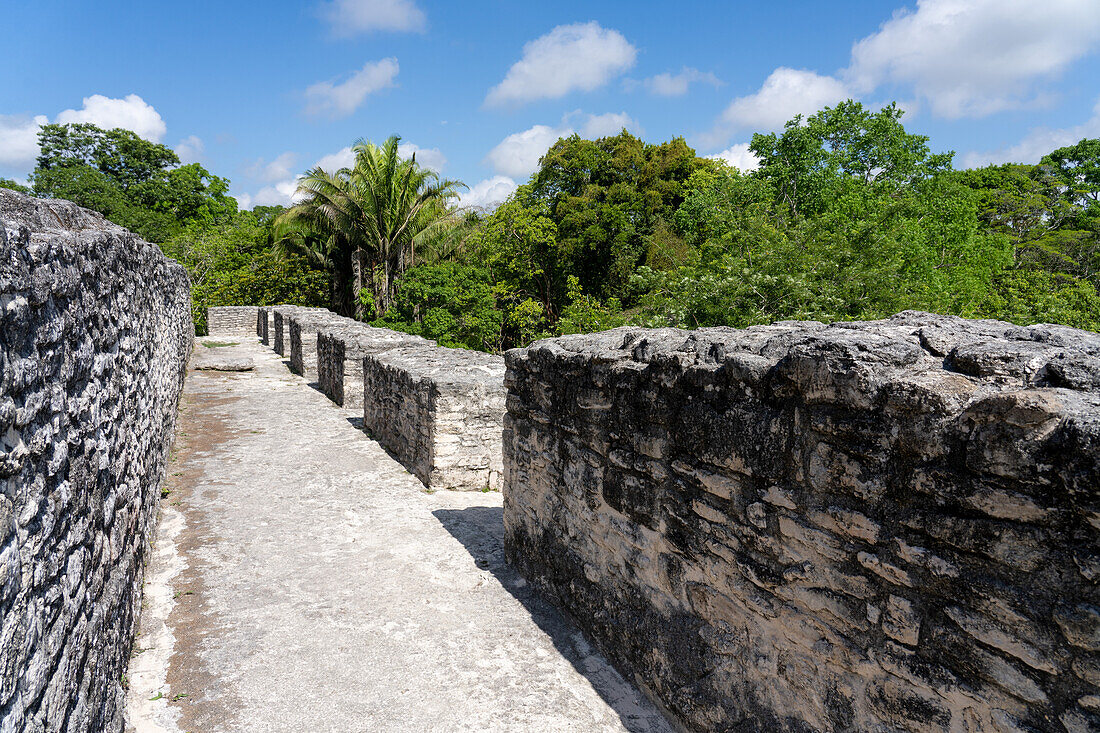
(481, 531)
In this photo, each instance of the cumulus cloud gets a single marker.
(130, 113)
(488, 194)
(785, 93)
(676, 85)
(432, 158)
(19, 134)
(970, 58)
(350, 17)
(342, 158)
(275, 170)
(282, 193)
(517, 156)
(1036, 143)
(606, 125)
(582, 56)
(739, 156)
(19, 140)
(190, 149)
(340, 99)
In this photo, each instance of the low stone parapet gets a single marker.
(340, 351)
(231, 320)
(280, 323)
(440, 411)
(304, 325)
(867, 526)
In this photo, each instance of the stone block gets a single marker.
(898, 519)
(439, 410)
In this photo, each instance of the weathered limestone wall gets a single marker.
(262, 316)
(280, 322)
(304, 325)
(341, 347)
(235, 320)
(864, 527)
(440, 411)
(95, 331)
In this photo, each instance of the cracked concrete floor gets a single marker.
(302, 580)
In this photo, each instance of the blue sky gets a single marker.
(481, 88)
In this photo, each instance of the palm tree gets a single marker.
(370, 218)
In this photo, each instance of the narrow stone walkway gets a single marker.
(302, 580)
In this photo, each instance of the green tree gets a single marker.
(369, 219)
(133, 182)
(12, 185)
(449, 302)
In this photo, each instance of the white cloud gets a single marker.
(342, 158)
(432, 158)
(277, 170)
(341, 99)
(349, 17)
(19, 140)
(581, 56)
(244, 201)
(130, 113)
(607, 125)
(784, 94)
(675, 85)
(488, 194)
(1036, 144)
(190, 149)
(971, 58)
(517, 156)
(739, 156)
(280, 194)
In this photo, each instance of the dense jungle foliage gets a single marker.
(848, 216)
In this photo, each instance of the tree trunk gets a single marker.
(359, 267)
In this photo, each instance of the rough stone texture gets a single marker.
(304, 325)
(304, 582)
(280, 321)
(869, 526)
(440, 411)
(95, 331)
(340, 350)
(236, 320)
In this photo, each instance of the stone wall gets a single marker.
(95, 332)
(888, 526)
(440, 411)
(341, 347)
(304, 325)
(234, 320)
(280, 323)
(262, 316)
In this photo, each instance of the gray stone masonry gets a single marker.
(341, 347)
(281, 324)
(303, 328)
(231, 320)
(884, 526)
(95, 332)
(440, 411)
